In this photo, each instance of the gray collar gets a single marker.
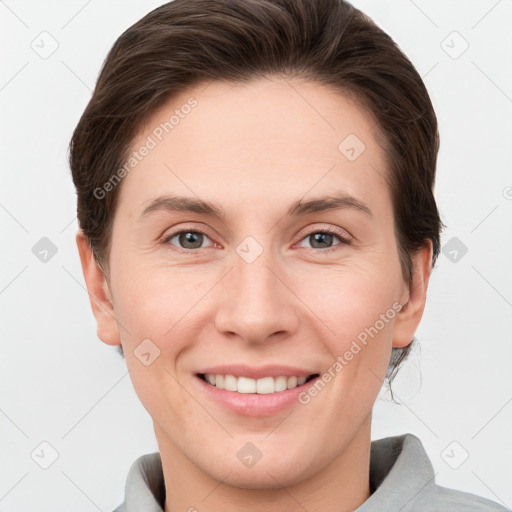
(399, 471)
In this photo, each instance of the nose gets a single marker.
(258, 303)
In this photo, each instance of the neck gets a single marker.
(341, 486)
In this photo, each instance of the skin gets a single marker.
(253, 149)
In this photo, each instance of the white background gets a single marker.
(61, 385)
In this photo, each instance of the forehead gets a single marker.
(239, 140)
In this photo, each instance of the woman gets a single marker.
(257, 232)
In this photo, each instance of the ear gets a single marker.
(408, 319)
(99, 293)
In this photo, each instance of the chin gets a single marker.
(263, 478)
(270, 472)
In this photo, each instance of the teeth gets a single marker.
(230, 383)
(280, 384)
(263, 386)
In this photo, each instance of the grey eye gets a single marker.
(188, 239)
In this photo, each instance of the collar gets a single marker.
(399, 471)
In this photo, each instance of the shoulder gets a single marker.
(145, 487)
(436, 498)
(402, 478)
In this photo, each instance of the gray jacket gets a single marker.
(401, 480)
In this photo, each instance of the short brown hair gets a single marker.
(185, 42)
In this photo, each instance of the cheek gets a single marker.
(362, 317)
(160, 313)
(163, 312)
(347, 300)
(158, 304)
(357, 307)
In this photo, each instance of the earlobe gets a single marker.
(409, 317)
(99, 293)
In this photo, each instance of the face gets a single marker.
(282, 268)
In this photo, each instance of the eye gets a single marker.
(187, 239)
(323, 238)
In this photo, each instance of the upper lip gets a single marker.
(258, 372)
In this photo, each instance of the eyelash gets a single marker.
(330, 231)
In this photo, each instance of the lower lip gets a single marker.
(254, 404)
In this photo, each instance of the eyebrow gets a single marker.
(172, 203)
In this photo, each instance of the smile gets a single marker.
(262, 386)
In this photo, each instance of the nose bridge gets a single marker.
(256, 281)
(257, 303)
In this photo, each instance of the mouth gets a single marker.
(252, 391)
(262, 386)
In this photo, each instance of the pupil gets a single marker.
(191, 238)
(322, 238)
